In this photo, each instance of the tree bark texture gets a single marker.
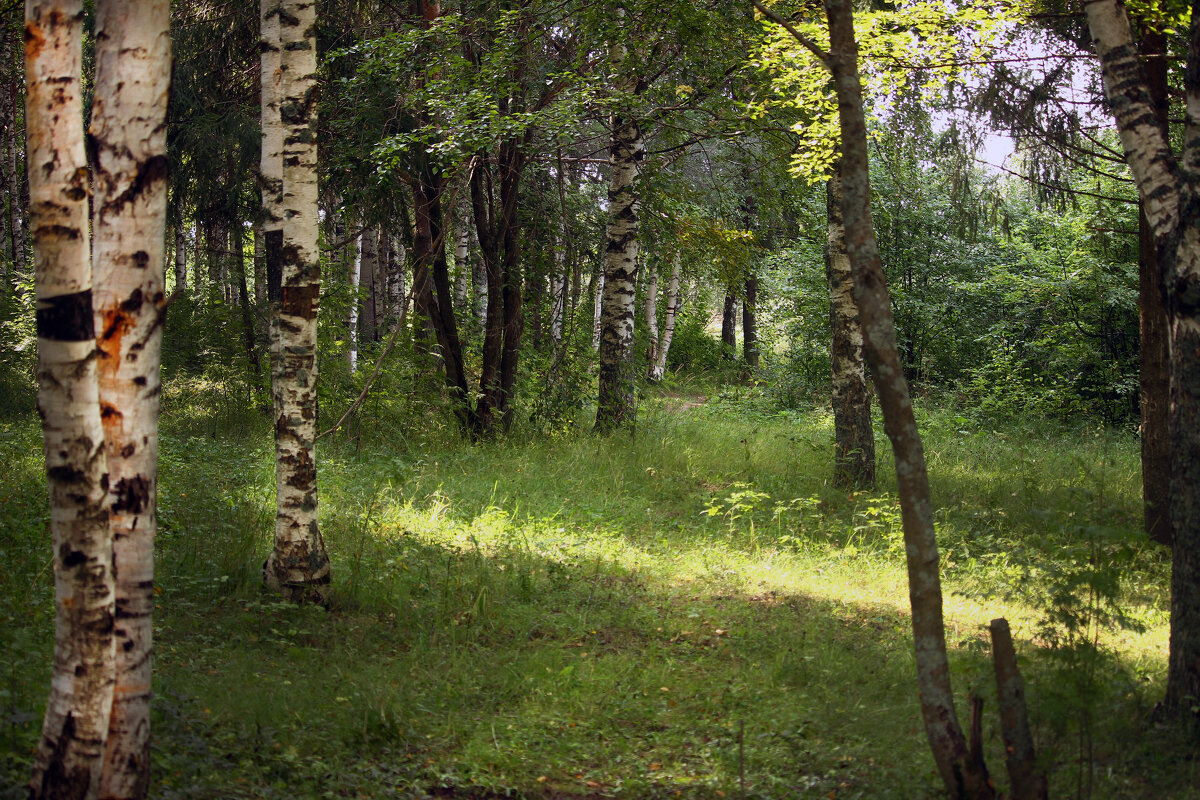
(352, 310)
(658, 367)
(651, 318)
(959, 773)
(597, 309)
(180, 260)
(129, 141)
(71, 751)
(298, 567)
(1170, 193)
(434, 297)
(369, 285)
(1028, 783)
(729, 328)
(616, 402)
(1154, 353)
(853, 434)
(750, 325)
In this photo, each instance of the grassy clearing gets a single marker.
(689, 611)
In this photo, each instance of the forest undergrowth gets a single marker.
(690, 610)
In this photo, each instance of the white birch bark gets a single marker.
(659, 367)
(558, 295)
(70, 755)
(298, 567)
(352, 314)
(271, 174)
(462, 266)
(129, 138)
(597, 305)
(1170, 193)
(397, 272)
(652, 319)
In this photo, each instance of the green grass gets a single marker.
(690, 611)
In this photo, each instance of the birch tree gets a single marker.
(70, 754)
(1168, 187)
(298, 566)
(854, 437)
(129, 140)
(963, 774)
(615, 405)
(661, 345)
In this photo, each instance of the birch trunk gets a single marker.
(462, 267)
(853, 435)
(962, 776)
(659, 366)
(352, 312)
(1171, 203)
(615, 404)
(651, 319)
(70, 755)
(397, 288)
(129, 140)
(298, 567)
(597, 306)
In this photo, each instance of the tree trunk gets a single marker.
(615, 404)
(1169, 200)
(1155, 373)
(129, 140)
(651, 320)
(462, 265)
(659, 367)
(397, 286)
(597, 307)
(853, 435)
(729, 328)
(243, 292)
(961, 776)
(368, 283)
(1028, 782)
(180, 259)
(750, 326)
(352, 310)
(70, 755)
(431, 279)
(558, 296)
(20, 192)
(298, 567)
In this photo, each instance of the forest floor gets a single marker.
(686, 611)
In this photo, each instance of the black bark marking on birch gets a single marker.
(150, 172)
(66, 317)
(56, 232)
(132, 494)
(58, 782)
(133, 303)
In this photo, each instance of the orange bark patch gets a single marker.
(35, 40)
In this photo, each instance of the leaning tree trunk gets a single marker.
(71, 751)
(129, 141)
(853, 435)
(298, 567)
(659, 366)
(962, 776)
(615, 407)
